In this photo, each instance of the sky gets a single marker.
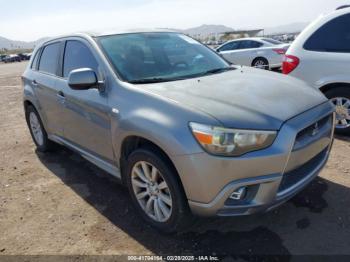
(33, 19)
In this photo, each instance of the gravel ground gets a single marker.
(60, 204)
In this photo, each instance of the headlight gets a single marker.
(231, 142)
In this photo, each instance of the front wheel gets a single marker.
(156, 191)
(340, 97)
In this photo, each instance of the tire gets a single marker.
(261, 62)
(179, 216)
(340, 96)
(43, 144)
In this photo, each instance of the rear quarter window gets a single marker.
(334, 36)
(34, 64)
(49, 58)
(272, 41)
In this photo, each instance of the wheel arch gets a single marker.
(134, 142)
(328, 87)
(29, 102)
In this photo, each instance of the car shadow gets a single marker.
(240, 237)
(343, 138)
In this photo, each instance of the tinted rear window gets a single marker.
(272, 41)
(48, 60)
(334, 36)
(250, 44)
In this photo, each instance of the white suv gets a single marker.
(321, 57)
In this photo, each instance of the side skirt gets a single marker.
(109, 168)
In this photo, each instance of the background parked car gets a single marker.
(11, 58)
(257, 52)
(321, 57)
(24, 56)
(2, 57)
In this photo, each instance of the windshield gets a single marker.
(157, 57)
(272, 41)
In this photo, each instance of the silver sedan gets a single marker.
(262, 53)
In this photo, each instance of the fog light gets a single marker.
(239, 193)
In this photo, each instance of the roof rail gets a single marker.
(342, 7)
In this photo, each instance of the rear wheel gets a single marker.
(37, 130)
(261, 63)
(156, 191)
(340, 97)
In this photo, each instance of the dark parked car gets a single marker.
(12, 58)
(24, 56)
(2, 57)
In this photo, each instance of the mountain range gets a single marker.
(206, 30)
(14, 44)
(289, 28)
(203, 31)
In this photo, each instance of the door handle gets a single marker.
(60, 94)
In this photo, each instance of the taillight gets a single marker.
(290, 62)
(280, 51)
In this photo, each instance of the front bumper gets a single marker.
(272, 176)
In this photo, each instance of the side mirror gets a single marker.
(82, 79)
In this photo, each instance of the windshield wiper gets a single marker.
(149, 80)
(161, 79)
(218, 70)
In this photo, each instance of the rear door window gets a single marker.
(250, 44)
(77, 55)
(230, 46)
(49, 58)
(334, 36)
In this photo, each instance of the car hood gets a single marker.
(244, 98)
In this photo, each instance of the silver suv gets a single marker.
(186, 132)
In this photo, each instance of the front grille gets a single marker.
(309, 130)
(316, 131)
(294, 176)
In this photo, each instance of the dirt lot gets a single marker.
(60, 204)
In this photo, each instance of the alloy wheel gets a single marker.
(151, 191)
(35, 126)
(260, 64)
(342, 107)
